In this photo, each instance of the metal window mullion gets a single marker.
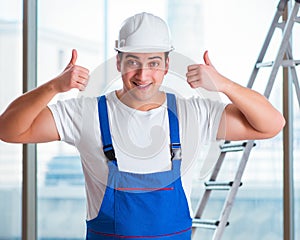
(29, 185)
(288, 179)
(288, 158)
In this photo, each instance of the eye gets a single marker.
(133, 63)
(154, 64)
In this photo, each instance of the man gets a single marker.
(137, 188)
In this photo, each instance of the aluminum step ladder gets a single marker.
(283, 58)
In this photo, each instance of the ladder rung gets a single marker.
(297, 19)
(264, 64)
(206, 223)
(233, 147)
(213, 185)
(295, 62)
(285, 63)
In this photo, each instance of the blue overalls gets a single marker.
(142, 206)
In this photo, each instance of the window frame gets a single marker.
(29, 184)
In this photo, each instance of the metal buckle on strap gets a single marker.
(109, 152)
(175, 149)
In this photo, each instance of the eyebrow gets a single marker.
(136, 57)
(155, 57)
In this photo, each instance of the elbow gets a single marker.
(5, 135)
(2, 135)
(9, 139)
(272, 129)
(278, 124)
(283, 122)
(5, 138)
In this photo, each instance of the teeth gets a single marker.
(142, 85)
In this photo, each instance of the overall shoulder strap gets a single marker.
(175, 145)
(105, 129)
(108, 149)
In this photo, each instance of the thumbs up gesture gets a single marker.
(73, 76)
(205, 75)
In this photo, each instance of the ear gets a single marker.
(118, 62)
(167, 65)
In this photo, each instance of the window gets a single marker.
(87, 28)
(64, 25)
(10, 88)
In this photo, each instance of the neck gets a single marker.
(141, 104)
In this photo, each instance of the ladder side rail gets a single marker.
(217, 167)
(233, 191)
(282, 49)
(265, 46)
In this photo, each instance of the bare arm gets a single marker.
(249, 116)
(28, 119)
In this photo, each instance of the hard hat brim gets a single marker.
(144, 49)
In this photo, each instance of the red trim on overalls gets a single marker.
(137, 237)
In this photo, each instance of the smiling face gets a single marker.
(142, 75)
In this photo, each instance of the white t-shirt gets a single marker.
(140, 138)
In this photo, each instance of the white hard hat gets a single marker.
(145, 33)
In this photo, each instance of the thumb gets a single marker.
(206, 59)
(73, 58)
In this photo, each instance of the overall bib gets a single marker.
(142, 206)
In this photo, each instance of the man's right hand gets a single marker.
(73, 76)
(28, 119)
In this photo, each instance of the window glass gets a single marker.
(89, 27)
(296, 131)
(63, 26)
(296, 167)
(234, 40)
(10, 88)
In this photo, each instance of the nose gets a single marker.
(142, 73)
